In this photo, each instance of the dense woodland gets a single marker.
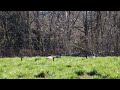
(33, 33)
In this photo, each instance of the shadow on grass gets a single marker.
(79, 72)
(93, 72)
(42, 74)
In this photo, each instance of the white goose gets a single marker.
(50, 57)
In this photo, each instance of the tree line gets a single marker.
(32, 33)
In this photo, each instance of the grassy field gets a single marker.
(66, 67)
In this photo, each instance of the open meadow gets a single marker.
(67, 67)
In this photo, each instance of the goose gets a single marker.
(50, 57)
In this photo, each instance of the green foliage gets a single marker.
(66, 67)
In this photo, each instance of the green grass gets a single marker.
(66, 67)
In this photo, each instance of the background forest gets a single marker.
(34, 33)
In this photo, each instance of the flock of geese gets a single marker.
(48, 57)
